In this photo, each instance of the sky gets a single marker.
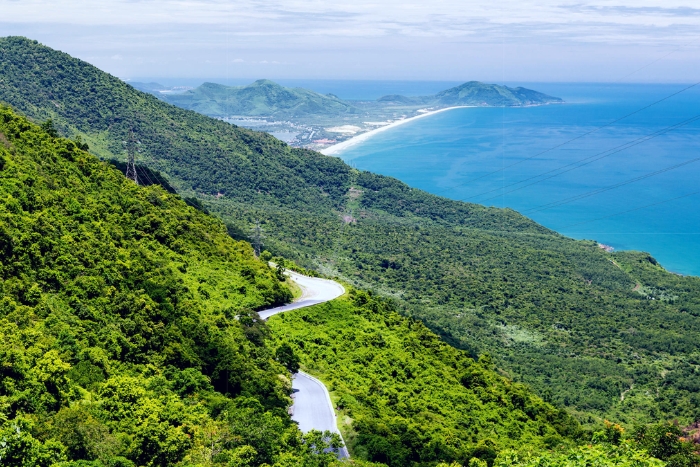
(495, 41)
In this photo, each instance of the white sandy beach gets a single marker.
(336, 148)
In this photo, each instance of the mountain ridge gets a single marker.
(262, 98)
(265, 98)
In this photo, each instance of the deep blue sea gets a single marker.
(532, 160)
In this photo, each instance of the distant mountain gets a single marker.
(396, 99)
(476, 93)
(263, 98)
(151, 88)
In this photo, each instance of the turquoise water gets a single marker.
(481, 154)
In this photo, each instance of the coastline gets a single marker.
(336, 148)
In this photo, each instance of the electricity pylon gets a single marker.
(131, 157)
(257, 238)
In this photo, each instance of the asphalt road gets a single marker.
(312, 408)
(314, 291)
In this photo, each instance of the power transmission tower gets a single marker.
(257, 238)
(131, 157)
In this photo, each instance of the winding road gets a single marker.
(312, 408)
(314, 291)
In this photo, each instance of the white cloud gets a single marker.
(391, 38)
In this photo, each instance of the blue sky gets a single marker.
(497, 41)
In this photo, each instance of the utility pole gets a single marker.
(131, 157)
(257, 238)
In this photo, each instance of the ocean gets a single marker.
(638, 189)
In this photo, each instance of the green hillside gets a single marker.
(127, 331)
(128, 338)
(406, 398)
(561, 315)
(263, 98)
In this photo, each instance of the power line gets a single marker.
(631, 210)
(654, 61)
(608, 188)
(595, 130)
(587, 160)
(131, 157)
(257, 238)
(144, 173)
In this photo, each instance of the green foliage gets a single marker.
(562, 316)
(665, 441)
(406, 398)
(128, 331)
(286, 356)
(49, 128)
(596, 455)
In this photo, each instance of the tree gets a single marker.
(286, 356)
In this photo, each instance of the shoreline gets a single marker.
(336, 148)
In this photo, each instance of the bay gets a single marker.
(531, 160)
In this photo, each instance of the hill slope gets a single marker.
(262, 98)
(127, 334)
(405, 398)
(561, 315)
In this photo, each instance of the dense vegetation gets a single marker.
(405, 398)
(565, 317)
(602, 334)
(127, 327)
(128, 337)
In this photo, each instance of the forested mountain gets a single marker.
(262, 98)
(478, 94)
(561, 315)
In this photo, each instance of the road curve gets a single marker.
(312, 408)
(314, 291)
